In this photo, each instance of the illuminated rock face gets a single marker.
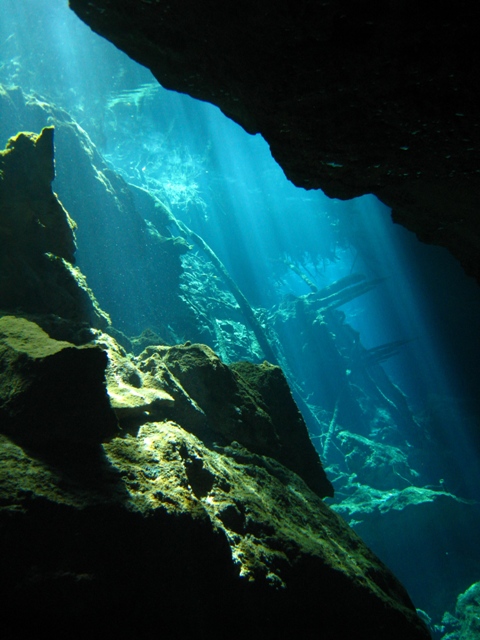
(352, 97)
(37, 242)
(132, 508)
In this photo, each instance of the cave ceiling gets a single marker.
(353, 96)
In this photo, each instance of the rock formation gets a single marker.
(383, 516)
(37, 244)
(86, 185)
(160, 494)
(353, 97)
(166, 521)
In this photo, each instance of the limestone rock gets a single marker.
(465, 624)
(245, 403)
(140, 256)
(134, 398)
(52, 393)
(188, 535)
(37, 241)
(164, 525)
(269, 385)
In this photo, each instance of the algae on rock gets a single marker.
(244, 403)
(170, 518)
(52, 393)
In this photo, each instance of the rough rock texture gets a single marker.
(353, 97)
(52, 394)
(165, 493)
(465, 624)
(163, 533)
(247, 404)
(37, 242)
(268, 385)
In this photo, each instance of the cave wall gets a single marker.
(353, 96)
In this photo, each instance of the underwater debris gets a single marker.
(344, 290)
(301, 274)
(382, 352)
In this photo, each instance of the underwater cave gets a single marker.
(239, 319)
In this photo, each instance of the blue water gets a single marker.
(225, 186)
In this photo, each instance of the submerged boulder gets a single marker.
(52, 393)
(170, 528)
(160, 494)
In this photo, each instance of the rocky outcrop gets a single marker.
(37, 244)
(352, 97)
(245, 403)
(169, 525)
(52, 396)
(119, 251)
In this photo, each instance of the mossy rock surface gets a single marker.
(52, 393)
(164, 522)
